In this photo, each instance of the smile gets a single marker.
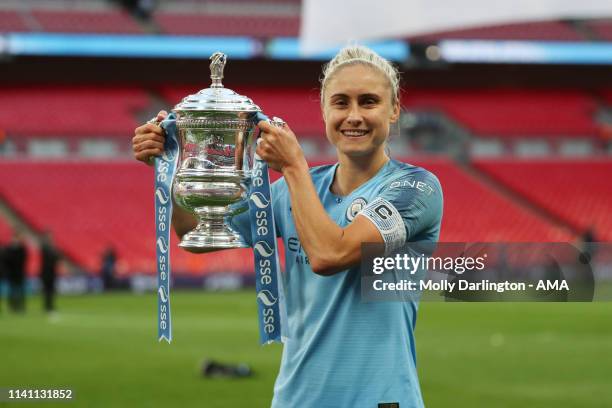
(354, 132)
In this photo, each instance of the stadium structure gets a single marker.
(520, 140)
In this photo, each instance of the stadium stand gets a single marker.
(12, 21)
(540, 30)
(101, 21)
(507, 113)
(105, 203)
(6, 231)
(512, 113)
(70, 111)
(300, 107)
(93, 197)
(231, 25)
(576, 191)
(33, 260)
(602, 28)
(111, 203)
(474, 211)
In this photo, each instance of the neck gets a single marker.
(354, 171)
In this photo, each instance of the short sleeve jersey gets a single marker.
(340, 351)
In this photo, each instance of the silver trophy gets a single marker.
(215, 134)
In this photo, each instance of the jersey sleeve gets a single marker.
(406, 207)
(242, 222)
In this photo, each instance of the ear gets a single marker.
(396, 112)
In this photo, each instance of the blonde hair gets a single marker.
(357, 54)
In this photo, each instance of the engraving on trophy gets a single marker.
(219, 152)
(223, 155)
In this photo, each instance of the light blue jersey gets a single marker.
(341, 352)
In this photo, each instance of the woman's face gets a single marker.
(358, 110)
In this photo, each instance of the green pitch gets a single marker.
(469, 355)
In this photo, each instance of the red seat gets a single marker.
(12, 21)
(512, 112)
(578, 192)
(102, 21)
(6, 231)
(603, 29)
(473, 211)
(71, 111)
(230, 25)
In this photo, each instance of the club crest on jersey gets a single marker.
(353, 209)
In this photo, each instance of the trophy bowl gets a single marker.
(215, 131)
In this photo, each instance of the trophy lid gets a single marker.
(217, 97)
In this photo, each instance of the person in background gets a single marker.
(50, 257)
(2, 275)
(107, 271)
(15, 256)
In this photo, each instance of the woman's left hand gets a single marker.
(279, 147)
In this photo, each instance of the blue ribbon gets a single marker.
(270, 296)
(268, 283)
(165, 167)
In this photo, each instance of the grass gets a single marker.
(469, 354)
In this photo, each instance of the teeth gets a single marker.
(354, 132)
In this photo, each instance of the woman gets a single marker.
(341, 352)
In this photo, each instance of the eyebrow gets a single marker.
(365, 95)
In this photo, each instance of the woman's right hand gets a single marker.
(148, 140)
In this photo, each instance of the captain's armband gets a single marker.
(389, 222)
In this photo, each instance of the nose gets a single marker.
(354, 117)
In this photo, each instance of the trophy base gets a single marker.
(199, 242)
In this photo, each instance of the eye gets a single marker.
(369, 100)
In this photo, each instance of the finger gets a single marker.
(138, 139)
(260, 145)
(148, 144)
(268, 138)
(139, 143)
(263, 147)
(266, 126)
(162, 115)
(148, 136)
(145, 155)
(259, 151)
(286, 128)
(149, 128)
